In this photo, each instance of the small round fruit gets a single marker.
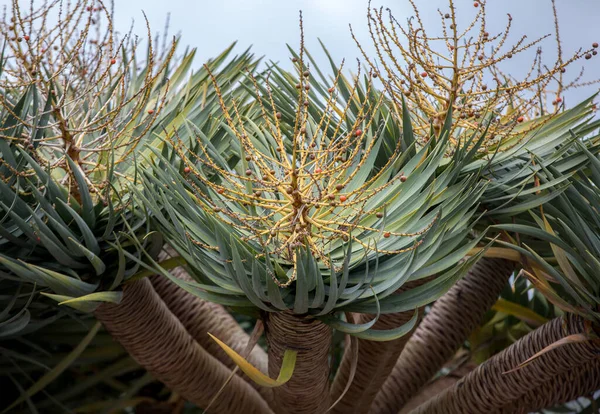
(520, 119)
(330, 90)
(423, 74)
(588, 56)
(476, 4)
(220, 191)
(113, 61)
(386, 234)
(150, 111)
(595, 45)
(318, 170)
(403, 178)
(343, 198)
(294, 60)
(26, 38)
(278, 115)
(339, 187)
(379, 215)
(187, 170)
(248, 172)
(358, 132)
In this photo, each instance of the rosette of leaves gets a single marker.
(304, 221)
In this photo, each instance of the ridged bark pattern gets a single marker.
(441, 333)
(158, 341)
(489, 387)
(375, 362)
(307, 392)
(200, 317)
(578, 382)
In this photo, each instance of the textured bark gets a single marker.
(200, 317)
(307, 392)
(156, 339)
(435, 387)
(375, 362)
(490, 387)
(441, 333)
(578, 382)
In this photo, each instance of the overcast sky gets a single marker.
(267, 25)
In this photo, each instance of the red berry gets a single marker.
(331, 90)
(187, 170)
(318, 170)
(520, 119)
(150, 111)
(475, 4)
(220, 191)
(558, 100)
(113, 61)
(424, 74)
(26, 37)
(343, 198)
(358, 133)
(386, 234)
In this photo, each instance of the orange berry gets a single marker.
(386, 234)
(358, 133)
(343, 198)
(318, 171)
(187, 170)
(558, 100)
(476, 4)
(423, 74)
(113, 61)
(150, 111)
(520, 119)
(26, 38)
(220, 191)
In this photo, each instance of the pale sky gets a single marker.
(268, 25)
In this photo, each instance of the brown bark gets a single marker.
(200, 317)
(441, 333)
(307, 392)
(156, 339)
(490, 386)
(578, 382)
(375, 362)
(437, 386)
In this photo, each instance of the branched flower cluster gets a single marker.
(296, 183)
(460, 69)
(91, 102)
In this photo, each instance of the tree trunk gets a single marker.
(156, 339)
(578, 382)
(200, 317)
(490, 386)
(375, 362)
(307, 392)
(441, 333)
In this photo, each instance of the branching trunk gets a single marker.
(307, 392)
(375, 362)
(200, 317)
(578, 382)
(490, 386)
(158, 341)
(441, 333)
